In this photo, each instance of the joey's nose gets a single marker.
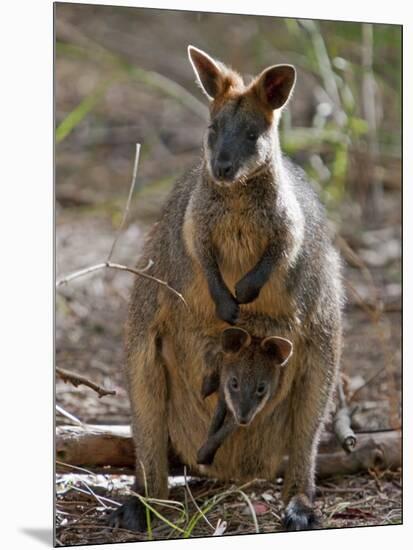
(224, 169)
(244, 420)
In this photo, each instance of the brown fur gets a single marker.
(300, 301)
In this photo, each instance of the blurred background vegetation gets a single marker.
(122, 76)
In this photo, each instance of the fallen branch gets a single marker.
(110, 449)
(343, 430)
(79, 380)
(342, 421)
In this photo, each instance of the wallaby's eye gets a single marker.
(213, 127)
(252, 136)
(262, 386)
(234, 384)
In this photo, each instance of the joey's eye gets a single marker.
(252, 135)
(262, 386)
(213, 127)
(234, 384)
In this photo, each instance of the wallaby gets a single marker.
(241, 147)
(246, 376)
(243, 226)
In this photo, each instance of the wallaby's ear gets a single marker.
(275, 84)
(280, 348)
(233, 339)
(207, 71)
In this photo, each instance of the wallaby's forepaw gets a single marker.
(131, 516)
(228, 310)
(210, 384)
(204, 457)
(299, 515)
(246, 291)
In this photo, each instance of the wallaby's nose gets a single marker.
(223, 169)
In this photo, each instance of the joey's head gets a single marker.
(251, 371)
(242, 134)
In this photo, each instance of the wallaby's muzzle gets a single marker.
(223, 168)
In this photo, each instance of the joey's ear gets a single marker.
(280, 348)
(210, 384)
(233, 339)
(207, 71)
(275, 84)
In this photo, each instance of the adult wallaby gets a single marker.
(242, 171)
(243, 227)
(246, 373)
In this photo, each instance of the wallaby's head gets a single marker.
(241, 136)
(251, 371)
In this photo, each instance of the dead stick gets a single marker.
(111, 265)
(77, 380)
(127, 207)
(342, 421)
(146, 276)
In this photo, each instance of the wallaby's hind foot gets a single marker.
(131, 516)
(299, 515)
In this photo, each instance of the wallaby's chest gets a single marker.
(239, 241)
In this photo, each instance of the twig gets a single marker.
(140, 272)
(196, 504)
(126, 211)
(68, 415)
(73, 467)
(77, 380)
(100, 501)
(99, 498)
(342, 422)
(76, 274)
(368, 381)
(251, 507)
(67, 278)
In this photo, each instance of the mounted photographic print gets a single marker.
(228, 274)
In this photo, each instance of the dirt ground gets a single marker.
(93, 171)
